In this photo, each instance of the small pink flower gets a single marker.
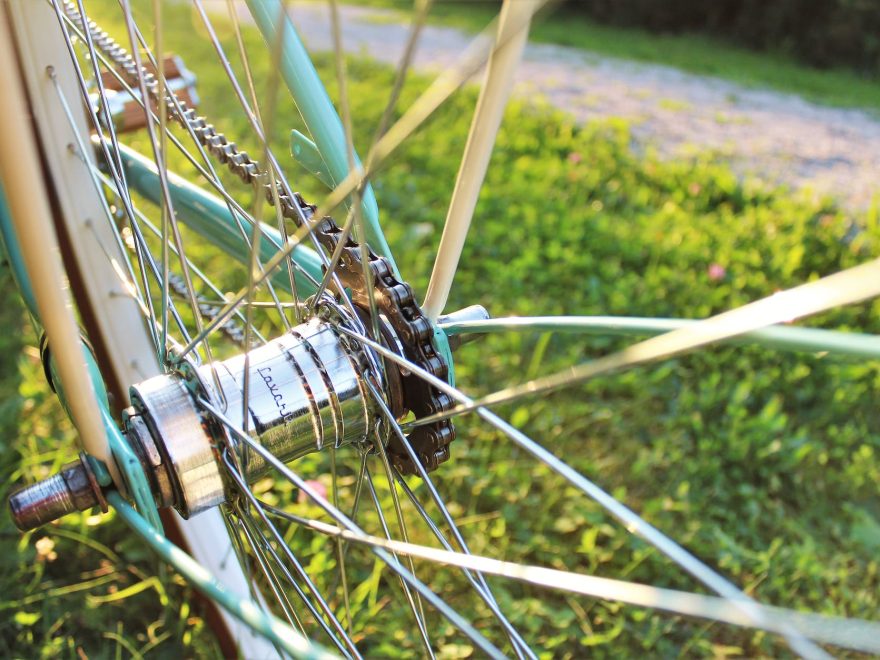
(315, 486)
(716, 272)
(574, 157)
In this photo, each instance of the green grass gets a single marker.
(765, 465)
(84, 587)
(691, 53)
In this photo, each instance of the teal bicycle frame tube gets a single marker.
(9, 246)
(317, 109)
(128, 464)
(210, 217)
(779, 337)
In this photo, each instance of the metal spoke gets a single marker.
(330, 270)
(357, 199)
(162, 165)
(855, 634)
(415, 607)
(284, 471)
(330, 624)
(418, 22)
(272, 87)
(482, 588)
(398, 512)
(845, 287)
(168, 204)
(116, 164)
(249, 311)
(479, 582)
(340, 555)
(265, 125)
(441, 89)
(634, 523)
(358, 491)
(267, 571)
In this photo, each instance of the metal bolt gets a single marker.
(74, 488)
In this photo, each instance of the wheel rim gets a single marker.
(274, 547)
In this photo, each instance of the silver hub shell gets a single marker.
(184, 443)
(305, 392)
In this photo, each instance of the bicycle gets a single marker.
(332, 356)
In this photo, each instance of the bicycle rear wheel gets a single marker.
(340, 372)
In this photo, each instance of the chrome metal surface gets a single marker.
(305, 391)
(183, 439)
(471, 313)
(74, 488)
(155, 466)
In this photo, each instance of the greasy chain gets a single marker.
(394, 299)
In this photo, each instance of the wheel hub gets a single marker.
(306, 391)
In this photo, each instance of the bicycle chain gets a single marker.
(231, 328)
(395, 299)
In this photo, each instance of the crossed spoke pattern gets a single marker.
(390, 536)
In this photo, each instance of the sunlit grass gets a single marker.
(763, 464)
(84, 585)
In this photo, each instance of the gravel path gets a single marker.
(776, 136)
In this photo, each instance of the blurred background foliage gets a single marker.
(822, 33)
(703, 43)
(762, 463)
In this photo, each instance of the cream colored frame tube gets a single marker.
(513, 29)
(24, 185)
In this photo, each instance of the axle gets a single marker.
(305, 391)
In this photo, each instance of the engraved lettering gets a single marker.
(277, 396)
